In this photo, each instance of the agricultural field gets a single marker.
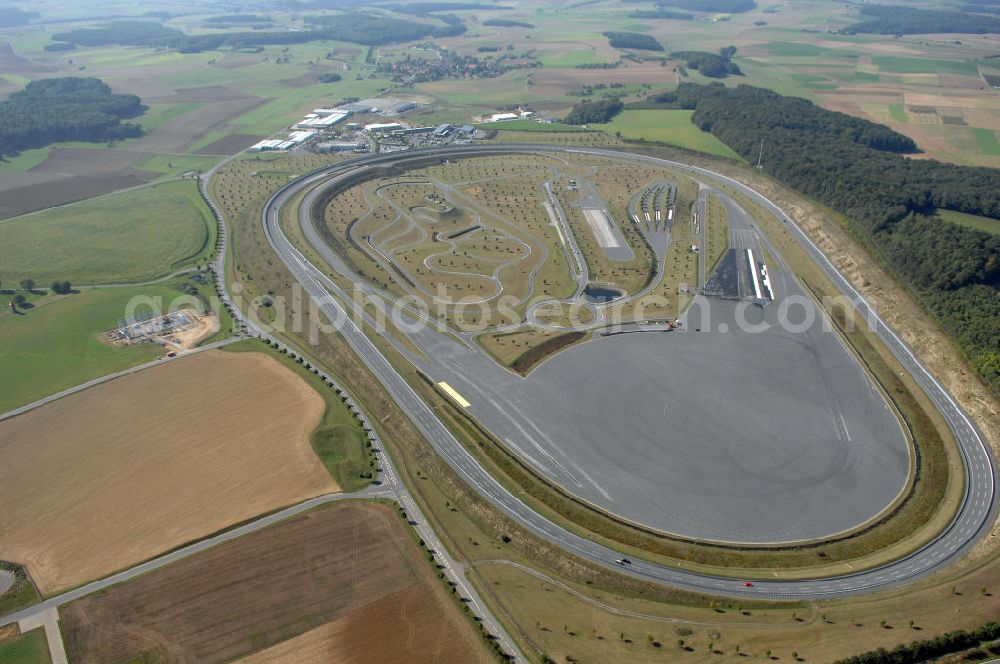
(59, 341)
(126, 237)
(202, 108)
(344, 583)
(152, 460)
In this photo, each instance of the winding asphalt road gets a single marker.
(974, 516)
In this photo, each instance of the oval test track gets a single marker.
(972, 520)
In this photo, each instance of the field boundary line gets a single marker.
(109, 377)
(187, 551)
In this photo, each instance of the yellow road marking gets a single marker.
(454, 395)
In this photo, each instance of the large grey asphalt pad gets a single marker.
(742, 437)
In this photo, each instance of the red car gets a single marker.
(747, 584)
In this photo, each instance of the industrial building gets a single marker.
(442, 130)
(265, 145)
(341, 146)
(503, 117)
(317, 120)
(382, 127)
(295, 138)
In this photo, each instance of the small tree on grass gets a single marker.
(27, 284)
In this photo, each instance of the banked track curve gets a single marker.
(973, 518)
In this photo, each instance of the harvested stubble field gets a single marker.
(343, 583)
(121, 472)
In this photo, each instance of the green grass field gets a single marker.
(127, 237)
(898, 113)
(572, 58)
(986, 139)
(29, 648)
(58, 343)
(971, 221)
(673, 127)
(24, 161)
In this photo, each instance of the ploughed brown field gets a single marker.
(342, 583)
(106, 478)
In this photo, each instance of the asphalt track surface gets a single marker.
(973, 519)
(767, 436)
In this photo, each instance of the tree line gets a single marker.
(507, 23)
(898, 20)
(929, 649)
(65, 109)
(355, 27)
(660, 12)
(857, 167)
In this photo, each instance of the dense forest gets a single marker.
(713, 65)
(13, 17)
(587, 112)
(507, 23)
(421, 8)
(87, 111)
(929, 649)
(896, 20)
(126, 33)
(231, 20)
(358, 28)
(982, 9)
(857, 167)
(635, 40)
(660, 12)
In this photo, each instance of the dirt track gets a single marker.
(350, 563)
(116, 474)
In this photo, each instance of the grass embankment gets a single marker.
(535, 355)
(18, 596)
(28, 648)
(59, 342)
(339, 440)
(128, 237)
(716, 233)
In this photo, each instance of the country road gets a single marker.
(974, 517)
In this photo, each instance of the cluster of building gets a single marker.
(445, 63)
(148, 326)
(321, 121)
(520, 114)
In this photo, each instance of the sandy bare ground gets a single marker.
(204, 327)
(103, 479)
(404, 627)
